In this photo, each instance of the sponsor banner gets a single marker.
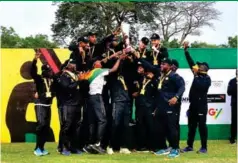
(216, 98)
(211, 98)
(219, 111)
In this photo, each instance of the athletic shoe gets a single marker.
(38, 152)
(188, 149)
(45, 152)
(173, 153)
(142, 150)
(132, 123)
(88, 148)
(98, 148)
(161, 152)
(168, 149)
(59, 150)
(65, 152)
(110, 151)
(77, 152)
(125, 151)
(232, 141)
(202, 150)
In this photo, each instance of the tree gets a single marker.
(75, 19)
(171, 44)
(37, 41)
(197, 44)
(10, 39)
(223, 46)
(232, 42)
(169, 19)
(180, 19)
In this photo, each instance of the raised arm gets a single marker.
(117, 64)
(110, 37)
(33, 70)
(189, 59)
(149, 66)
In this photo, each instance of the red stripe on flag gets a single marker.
(49, 60)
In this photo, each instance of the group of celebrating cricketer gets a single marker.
(95, 90)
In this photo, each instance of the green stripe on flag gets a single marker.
(95, 74)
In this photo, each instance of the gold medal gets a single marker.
(155, 56)
(162, 78)
(47, 86)
(145, 82)
(142, 92)
(48, 94)
(155, 62)
(143, 55)
(122, 81)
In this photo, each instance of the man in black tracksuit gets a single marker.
(175, 66)
(232, 91)
(145, 89)
(113, 48)
(120, 112)
(72, 101)
(58, 95)
(170, 89)
(45, 90)
(197, 113)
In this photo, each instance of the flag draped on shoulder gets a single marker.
(93, 74)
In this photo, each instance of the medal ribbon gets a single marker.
(162, 79)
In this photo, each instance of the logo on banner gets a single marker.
(214, 112)
(185, 99)
(216, 98)
(217, 83)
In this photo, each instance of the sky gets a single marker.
(31, 18)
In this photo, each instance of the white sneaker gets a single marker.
(110, 151)
(125, 151)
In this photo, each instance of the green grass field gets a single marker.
(218, 152)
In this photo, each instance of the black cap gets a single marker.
(204, 64)
(145, 40)
(45, 67)
(92, 33)
(175, 63)
(139, 64)
(83, 39)
(155, 37)
(167, 60)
